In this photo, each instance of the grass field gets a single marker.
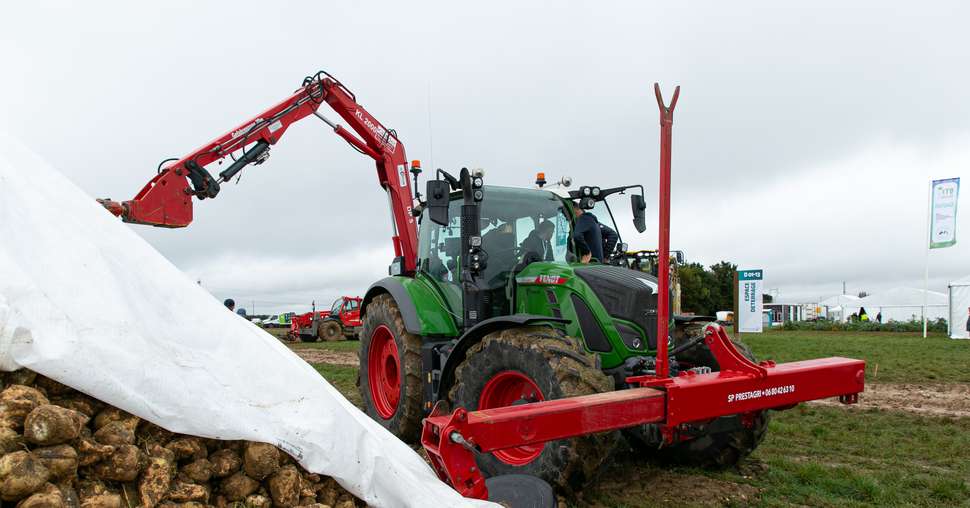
(890, 357)
(813, 455)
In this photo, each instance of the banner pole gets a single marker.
(926, 271)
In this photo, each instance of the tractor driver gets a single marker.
(587, 235)
(539, 241)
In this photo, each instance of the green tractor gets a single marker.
(489, 306)
(487, 321)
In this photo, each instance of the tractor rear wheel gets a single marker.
(530, 364)
(390, 370)
(330, 331)
(723, 442)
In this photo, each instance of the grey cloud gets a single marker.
(771, 93)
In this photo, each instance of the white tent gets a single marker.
(959, 308)
(905, 304)
(839, 307)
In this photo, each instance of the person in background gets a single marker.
(241, 311)
(862, 314)
(968, 320)
(610, 239)
(230, 304)
(587, 235)
(879, 317)
(539, 241)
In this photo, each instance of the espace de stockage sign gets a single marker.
(750, 305)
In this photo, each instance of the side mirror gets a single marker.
(437, 194)
(680, 257)
(639, 212)
(624, 247)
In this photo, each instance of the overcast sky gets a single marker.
(804, 140)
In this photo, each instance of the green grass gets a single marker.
(890, 357)
(343, 378)
(817, 456)
(832, 456)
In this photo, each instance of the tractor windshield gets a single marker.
(516, 223)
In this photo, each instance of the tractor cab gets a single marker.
(516, 225)
(513, 228)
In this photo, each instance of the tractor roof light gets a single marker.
(540, 179)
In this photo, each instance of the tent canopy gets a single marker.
(902, 297)
(959, 305)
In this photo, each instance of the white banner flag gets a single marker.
(943, 213)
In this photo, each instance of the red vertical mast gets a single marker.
(663, 298)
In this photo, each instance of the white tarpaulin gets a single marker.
(960, 309)
(87, 302)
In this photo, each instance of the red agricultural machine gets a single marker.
(545, 358)
(341, 322)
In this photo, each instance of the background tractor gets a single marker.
(341, 322)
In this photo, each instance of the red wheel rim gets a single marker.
(384, 372)
(508, 388)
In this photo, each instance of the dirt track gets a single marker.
(347, 358)
(949, 399)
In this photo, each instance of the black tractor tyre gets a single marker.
(560, 368)
(727, 441)
(330, 331)
(405, 422)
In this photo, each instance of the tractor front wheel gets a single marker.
(330, 331)
(531, 364)
(390, 370)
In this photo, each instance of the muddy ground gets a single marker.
(943, 399)
(312, 356)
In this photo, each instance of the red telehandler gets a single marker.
(341, 322)
(545, 359)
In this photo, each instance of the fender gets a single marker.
(475, 334)
(394, 287)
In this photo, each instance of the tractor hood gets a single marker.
(613, 309)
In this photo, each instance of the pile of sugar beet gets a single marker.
(62, 448)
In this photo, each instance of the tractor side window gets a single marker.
(439, 248)
(335, 309)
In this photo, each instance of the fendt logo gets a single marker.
(380, 132)
(757, 394)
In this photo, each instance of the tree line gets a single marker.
(705, 291)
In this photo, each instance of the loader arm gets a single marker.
(166, 200)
